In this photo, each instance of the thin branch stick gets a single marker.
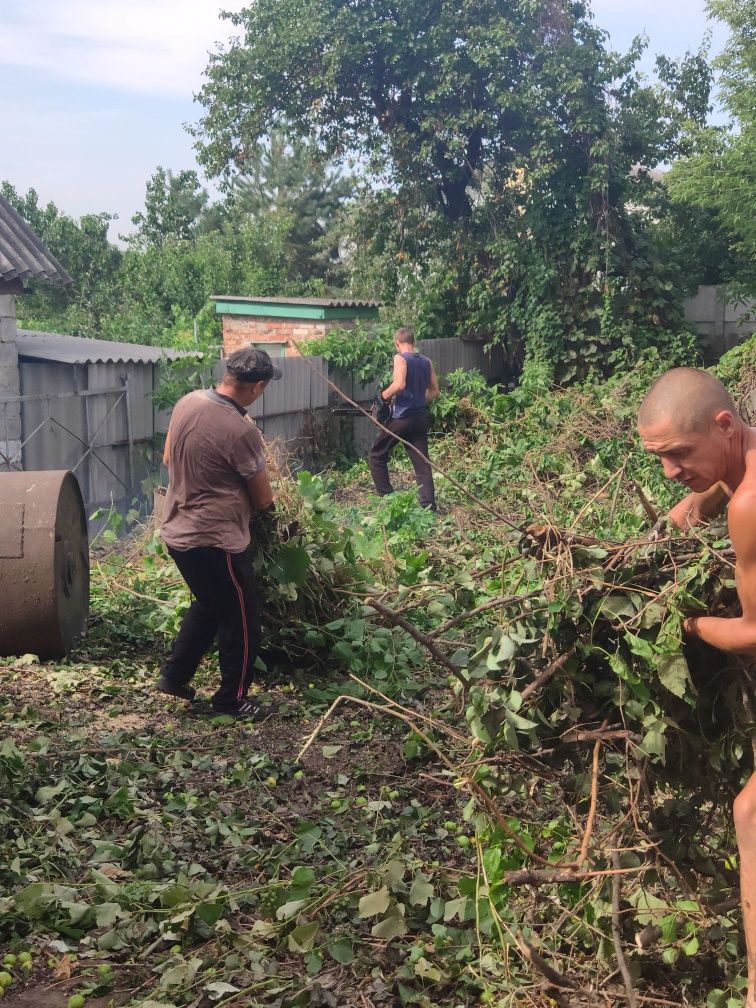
(438, 725)
(472, 785)
(420, 637)
(483, 607)
(594, 802)
(531, 953)
(401, 440)
(615, 476)
(617, 934)
(543, 677)
(651, 514)
(111, 581)
(545, 876)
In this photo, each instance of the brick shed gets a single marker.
(270, 322)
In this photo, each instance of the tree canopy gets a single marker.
(173, 207)
(504, 148)
(719, 177)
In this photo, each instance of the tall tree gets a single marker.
(431, 94)
(173, 207)
(505, 147)
(720, 178)
(286, 176)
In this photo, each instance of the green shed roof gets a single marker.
(298, 308)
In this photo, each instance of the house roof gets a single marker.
(78, 350)
(344, 302)
(23, 254)
(297, 307)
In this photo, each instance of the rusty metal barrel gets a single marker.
(44, 563)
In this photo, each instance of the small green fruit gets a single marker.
(9, 960)
(271, 781)
(105, 969)
(77, 1001)
(393, 795)
(299, 775)
(25, 956)
(463, 841)
(5, 979)
(336, 803)
(175, 950)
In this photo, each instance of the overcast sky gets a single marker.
(95, 93)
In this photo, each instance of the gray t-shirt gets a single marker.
(214, 446)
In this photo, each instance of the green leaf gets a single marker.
(673, 673)
(329, 751)
(33, 900)
(313, 962)
(421, 890)
(390, 927)
(302, 876)
(341, 950)
(690, 947)
(617, 606)
(491, 862)
(654, 742)
(427, 971)
(210, 913)
(302, 938)
(374, 903)
(394, 874)
(291, 565)
(106, 914)
(46, 794)
(640, 647)
(181, 975)
(216, 990)
(457, 908)
(290, 909)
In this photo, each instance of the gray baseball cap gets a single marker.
(252, 365)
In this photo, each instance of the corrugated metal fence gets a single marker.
(99, 419)
(295, 411)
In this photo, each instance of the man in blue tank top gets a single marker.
(413, 386)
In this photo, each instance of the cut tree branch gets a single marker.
(617, 934)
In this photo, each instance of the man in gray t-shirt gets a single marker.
(218, 478)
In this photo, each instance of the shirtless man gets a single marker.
(690, 422)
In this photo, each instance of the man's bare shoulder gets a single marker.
(741, 512)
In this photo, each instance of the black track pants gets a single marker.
(413, 428)
(226, 605)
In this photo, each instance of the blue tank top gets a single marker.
(412, 397)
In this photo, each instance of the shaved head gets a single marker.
(686, 397)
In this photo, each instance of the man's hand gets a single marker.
(690, 626)
(263, 526)
(661, 529)
(735, 633)
(380, 410)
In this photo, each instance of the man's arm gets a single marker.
(738, 633)
(432, 391)
(698, 508)
(259, 491)
(166, 448)
(399, 380)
